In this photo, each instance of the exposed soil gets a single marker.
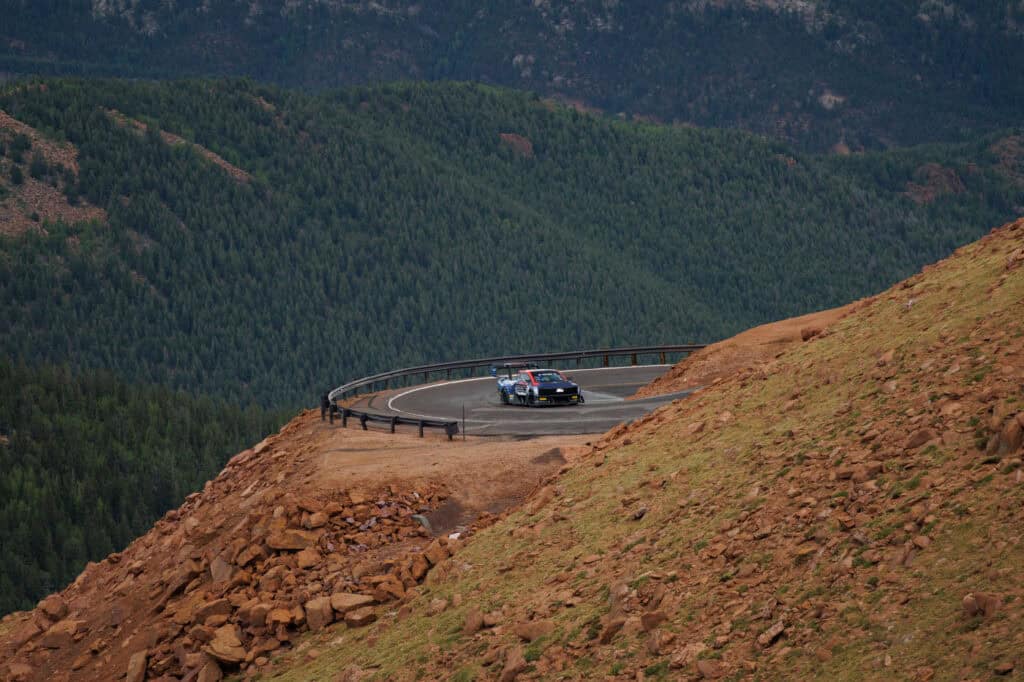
(175, 140)
(932, 181)
(745, 350)
(29, 205)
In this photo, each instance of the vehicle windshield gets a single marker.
(548, 376)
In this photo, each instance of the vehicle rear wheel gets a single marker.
(504, 397)
(530, 400)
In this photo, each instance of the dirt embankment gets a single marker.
(745, 350)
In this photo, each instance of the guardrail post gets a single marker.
(421, 428)
(426, 377)
(344, 417)
(330, 412)
(362, 421)
(661, 357)
(632, 359)
(394, 420)
(606, 361)
(451, 429)
(449, 375)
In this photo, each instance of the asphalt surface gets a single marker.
(605, 391)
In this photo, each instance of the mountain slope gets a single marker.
(817, 72)
(844, 511)
(263, 244)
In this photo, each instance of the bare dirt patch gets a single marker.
(1010, 151)
(748, 349)
(27, 206)
(55, 153)
(932, 181)
(518, 144)
(33, 202)
(476, 472)
(176, 140)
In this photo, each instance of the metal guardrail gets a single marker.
(604, 353)
(451, 427)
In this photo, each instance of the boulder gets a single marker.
(319, 613)
(279, 617)
(808, 333)
(534, 629)
(1011, 438)
(210, 672)
(651, 620)
(53, 607)
(137, 666)
(360, 617)
(254, 614)
(25, 633)
(343, 602)
(216, 607)
(687, 654)
(919, 438)
(292, 539)
(19, 672)
(308, 558)
(315, 520)
(659, 641)
(709, 669)
(515, 664)
(225, 647)
(436, 553)
(249, 554)
(220, 570)
(768, 637)
(611, 628)
(419, 567)
(474, 622)
(437, 606)
(981, 604)
(389, 589)
(62, 634)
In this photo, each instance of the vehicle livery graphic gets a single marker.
(526, 384)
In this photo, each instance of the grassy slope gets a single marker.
(753, 515)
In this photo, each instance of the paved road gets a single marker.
(604, 389)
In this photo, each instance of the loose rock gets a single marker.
(137, 666)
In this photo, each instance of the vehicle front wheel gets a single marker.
(504, 397)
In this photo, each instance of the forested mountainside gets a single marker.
(263, 245)
(854, 73)
(88, 463)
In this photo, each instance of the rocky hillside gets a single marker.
(823, 73)
(847, 510)
(313, 526)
